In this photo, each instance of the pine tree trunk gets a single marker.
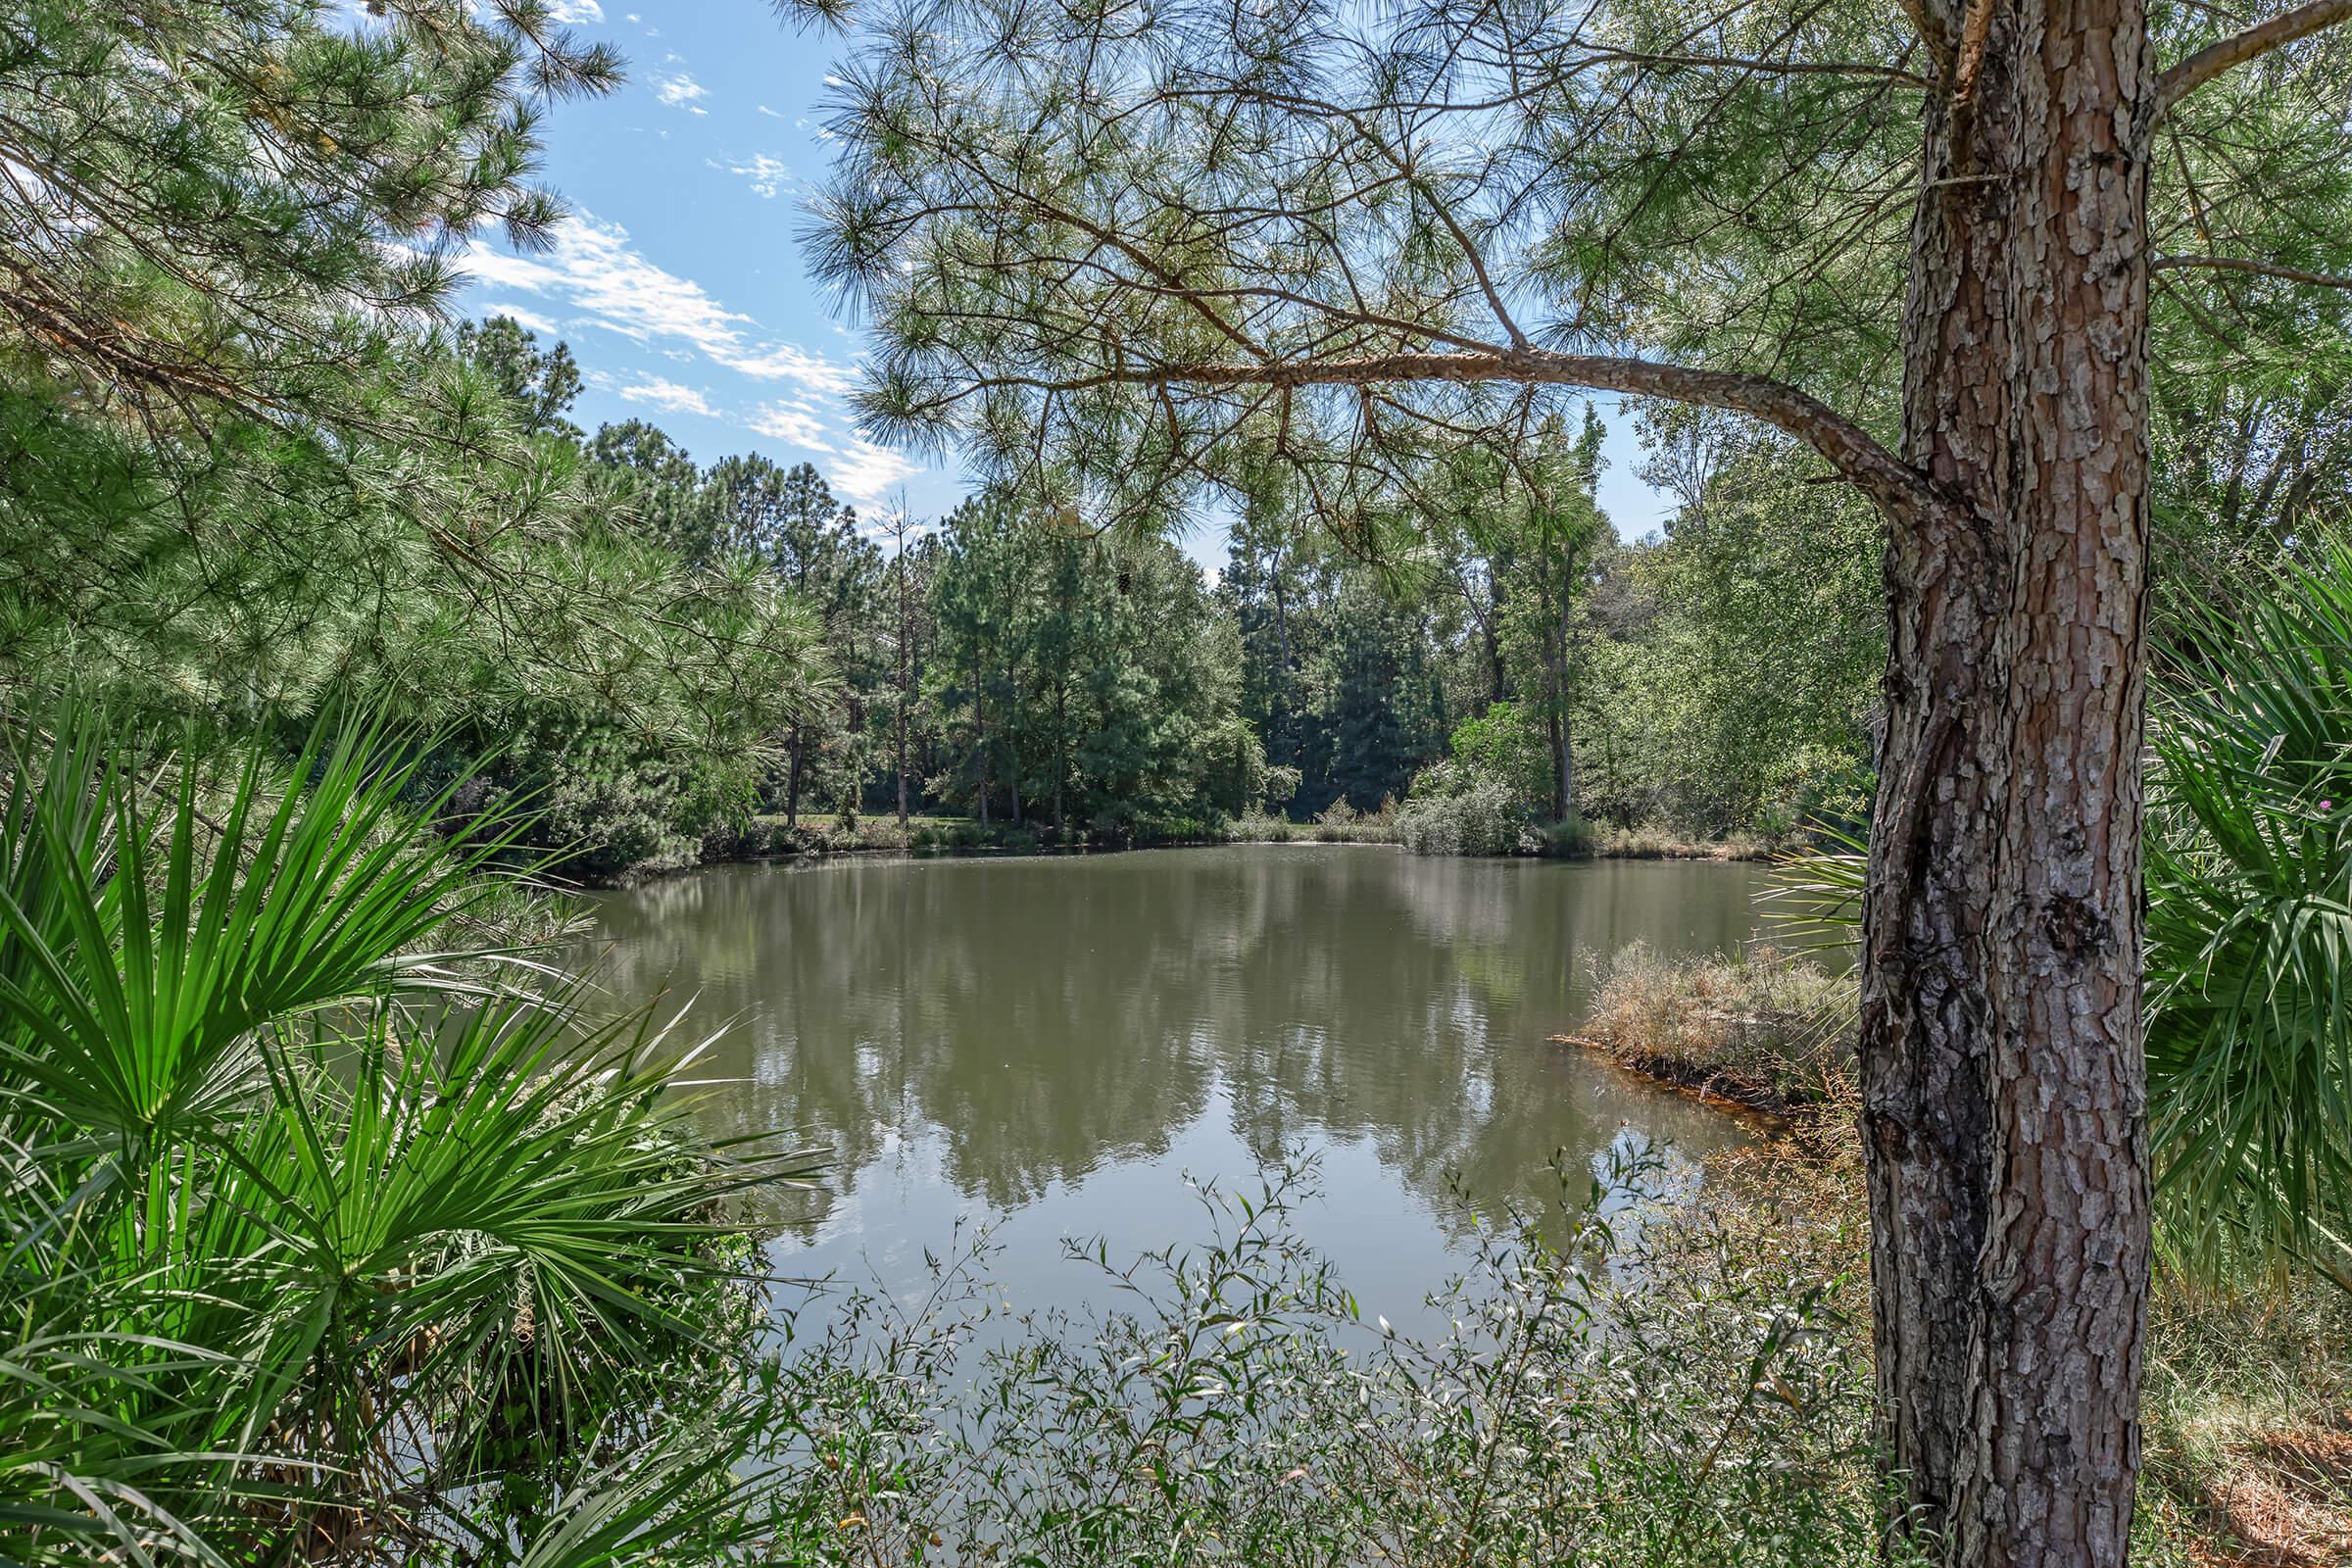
(903, 636)
(1562, 737)
(2002, 1062)
(1013, 744)
(980, 727)
(791, 780)
(1556, 732)
(1565, 807)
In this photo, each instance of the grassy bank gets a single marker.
(1657, 842)
(770, 837)
(1759, 1030)
(2248, 1402)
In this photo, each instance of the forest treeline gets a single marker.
(657, 661)
(1518, 662)
(653, 652)
(1011, 667)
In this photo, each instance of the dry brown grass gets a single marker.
(1760, 1030)
(2249, 1426)
(2248, 1402)
(1653, 842)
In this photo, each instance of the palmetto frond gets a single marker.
(307, 1225)
(2249, 957)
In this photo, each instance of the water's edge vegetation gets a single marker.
(770, 837)
(2249, 1455)
(301, 1263)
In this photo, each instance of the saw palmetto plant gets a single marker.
(317, 1239)
(2249, 955)
(2248, 963)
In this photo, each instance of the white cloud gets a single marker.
(598, 276)
(669, 395)
(678, 90)
(796, 424)
(595, 269)
(523, 317)
(768, 176)
(770, 113)
(789, 362)
(573, 13)
(867, 473)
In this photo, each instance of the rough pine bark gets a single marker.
(2003, 1072)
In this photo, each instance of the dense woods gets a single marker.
(1994, 352)
(1102, 687)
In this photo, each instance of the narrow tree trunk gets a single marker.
(1061, 762)
(903, 638)
(1012, 743)
(1556, 732)
(791, 780)
(1491, 633)
(980, 739)
(853, 789)
(1565, 807)
(2002, 1062)
(1562, 737)
(1282, 624)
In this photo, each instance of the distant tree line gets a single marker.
(1012, 668)
(1715, 678)
(656, 652)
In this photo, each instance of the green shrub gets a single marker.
(1483, 818)
(1508, 743)
(313, 1237)
(1565, 841)
(1240, 1410)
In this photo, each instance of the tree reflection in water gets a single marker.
(1053, 1041)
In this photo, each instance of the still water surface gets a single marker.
(1052, 1045)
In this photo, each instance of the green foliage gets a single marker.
(539, 384)
(235, 205)
(2249, 943)
(242, 475)
(1483, 800)
(1238, 1408)
(1078, 681)
(318, 1240)
(1506, 744)
(1344, 669)
(1235, 779)
(1479, 817)
(1735, 677)
(1439, 192)
(468, 583)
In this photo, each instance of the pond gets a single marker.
(1053, 1045)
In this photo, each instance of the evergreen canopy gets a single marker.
(1127, 250)
(209, 203)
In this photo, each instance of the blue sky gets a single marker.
(678, 280)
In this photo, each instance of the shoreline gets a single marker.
(1708, 1086)
(962, 840)
(2247, 1421)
